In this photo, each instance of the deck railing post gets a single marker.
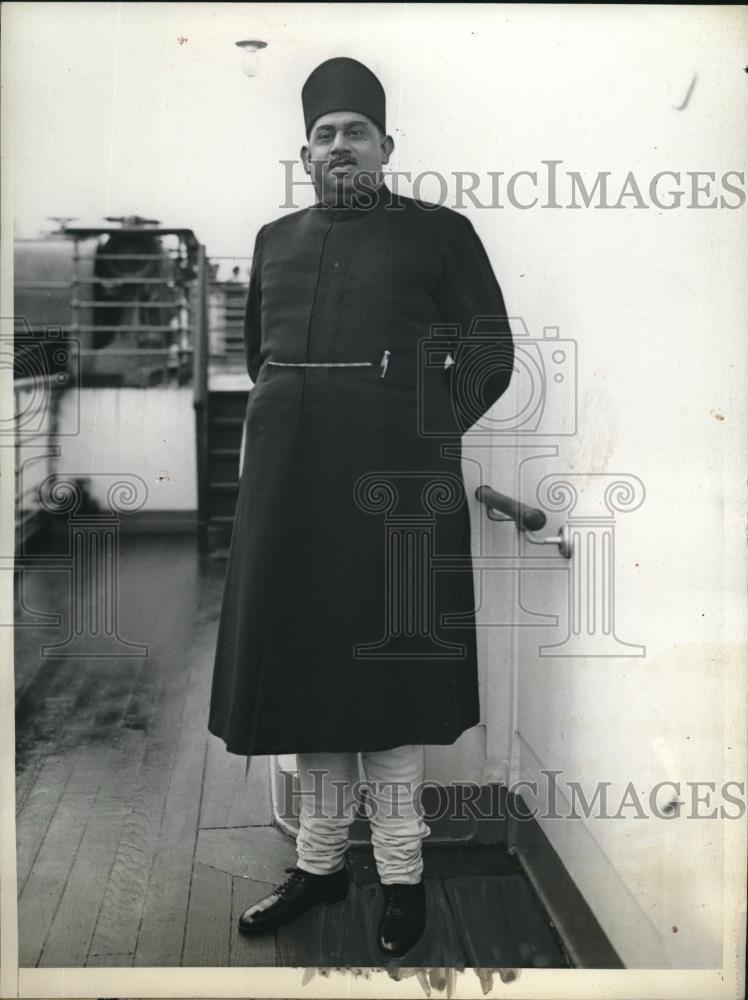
(201, 356)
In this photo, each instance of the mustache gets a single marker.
(342, 161)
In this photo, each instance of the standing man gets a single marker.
(338, 635)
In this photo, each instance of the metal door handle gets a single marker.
(528, 519)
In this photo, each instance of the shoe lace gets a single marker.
(297, 875)
(395, 899)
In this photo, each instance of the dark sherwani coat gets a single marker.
(348, 612)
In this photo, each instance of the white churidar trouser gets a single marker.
(330, 793)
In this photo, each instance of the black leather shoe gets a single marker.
(404, 917)
(295, 896)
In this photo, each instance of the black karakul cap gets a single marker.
(342, 84)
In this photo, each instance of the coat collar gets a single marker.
(374, 201)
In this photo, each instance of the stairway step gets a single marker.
(224, 469)
(221, 505)
(228, 397)
(227, 437)
(224, 453)
(226, 421)
(223, 487)
(222, 502)
(227, 400)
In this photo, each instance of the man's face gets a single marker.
(345, 154)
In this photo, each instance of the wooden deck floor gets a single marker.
(139, 842)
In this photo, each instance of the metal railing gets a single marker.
(227, 297)
(172, 317)
(528, 520)
(151, 337)
(36, 420)
(200, 399)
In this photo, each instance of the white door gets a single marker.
(623, 668)
(626, 678)
(628, 654)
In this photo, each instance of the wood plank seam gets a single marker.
(194, 847)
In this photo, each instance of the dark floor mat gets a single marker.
(441, 861)
(502, 924)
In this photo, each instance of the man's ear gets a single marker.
(388, 145)
(306, 159)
